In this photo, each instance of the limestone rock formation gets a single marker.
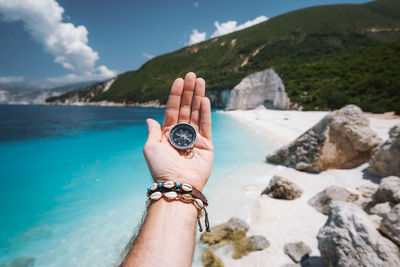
(218, 98)
(381, 209)
(260, 88)
(387, 190)
(234, 229)
(340, 140)
(323, 199)
(209, 259)
(298, 251)
(282, 188)
(85, 94)
(390, 225)
(385, 159)
(349, 238)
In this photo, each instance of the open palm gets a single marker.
(186, 103)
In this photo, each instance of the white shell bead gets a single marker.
(198, 203)
(169, 184)
(171, 195)
(156, 195)
(186, 187)
(153, 187)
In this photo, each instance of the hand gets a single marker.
(186, 103)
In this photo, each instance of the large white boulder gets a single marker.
(260, 88)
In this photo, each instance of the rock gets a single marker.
(390, 224)
(385, 159)
(218, 98)
(243, 246)
(381, 209)
(349, 238)
(282, 188)
(84, 95)
(387, 190)
(297, 251)
(396, 197)
(209, 259)
(341, 140)
(312, 262)
(376, 220)
(234, 229)
(260, 88)
(323, 199)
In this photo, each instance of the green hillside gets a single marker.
(304, 46)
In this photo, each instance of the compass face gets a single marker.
(183, 135)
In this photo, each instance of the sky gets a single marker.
(56, 42)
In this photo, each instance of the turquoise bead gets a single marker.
(178, 185)
(148, 189)
(159, 185)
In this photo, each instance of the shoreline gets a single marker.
(281, 221)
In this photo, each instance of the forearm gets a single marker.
(167, 237)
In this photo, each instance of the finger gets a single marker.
(205, 118)
(174, 100)
(154, 128)
(199, 92)
(186, 100)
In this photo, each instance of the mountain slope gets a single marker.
(299, 37)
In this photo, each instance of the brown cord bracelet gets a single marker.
(184, 192)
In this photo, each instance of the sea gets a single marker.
(73, 179)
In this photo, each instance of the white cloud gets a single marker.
(11, 79)
(147, 55)
(196, 4)
(100, 73)
(197, 37)
(231, 26)
(224, 28)
(66, 42)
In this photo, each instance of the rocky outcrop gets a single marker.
(234, 229)
(242, 247)
(282, 188)
(218, 98)
(341, 140)
(323, 199)
(349, 238)
(209, 259)
(234, 232)
(385, 159)
(297, 251)
(381, 209)
(260, 88)
(387, 190)
(390, 224)
(85, 94)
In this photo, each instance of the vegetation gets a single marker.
(327, 56)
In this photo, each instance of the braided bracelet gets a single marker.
(184, 192)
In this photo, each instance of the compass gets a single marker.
(183, 136)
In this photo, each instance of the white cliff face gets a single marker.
(260, 88)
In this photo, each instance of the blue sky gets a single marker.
(64, 41)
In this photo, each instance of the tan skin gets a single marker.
(167, 237)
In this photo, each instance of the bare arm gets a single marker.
(167, 237)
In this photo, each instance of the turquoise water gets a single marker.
(73, 179)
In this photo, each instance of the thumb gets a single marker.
(154, 131)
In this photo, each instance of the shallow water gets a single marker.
(73, 179)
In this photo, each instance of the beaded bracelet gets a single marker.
(184, 192)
